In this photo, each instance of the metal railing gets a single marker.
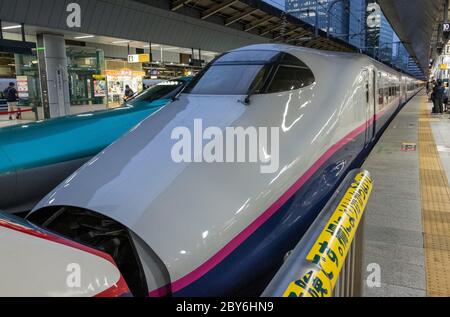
(327, 262)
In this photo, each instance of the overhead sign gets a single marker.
(139, 58)
(447, 49)
(196, 62)
(99, 77)
(446, 27)
(445, 31)
(443, 66)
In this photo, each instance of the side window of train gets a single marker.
(289, 78)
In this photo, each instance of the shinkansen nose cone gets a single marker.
(126, 179)
(138, 183)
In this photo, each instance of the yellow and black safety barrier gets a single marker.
(315, 265)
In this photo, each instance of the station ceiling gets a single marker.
(258, 18)
(416, 22)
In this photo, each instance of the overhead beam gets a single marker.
(177, 4)
(294, 30)
(253, 25)
(300, 41)
(217, 8)
(289, 32)
(271, 29)
(239, 16)
(302, 34)
(314, 42)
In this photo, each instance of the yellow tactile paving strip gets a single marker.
(435, 197)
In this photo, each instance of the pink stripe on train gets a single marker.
(240, 238)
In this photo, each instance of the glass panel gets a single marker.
(291, 78)
(225, 80)
(84, 64)
(164, 90)
(289, 59)
(249, 56)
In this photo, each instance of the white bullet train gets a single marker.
(208, 229)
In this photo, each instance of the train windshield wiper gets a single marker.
(252, 92)
(257, 84)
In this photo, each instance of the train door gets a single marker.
(404, 96)
(370, 100)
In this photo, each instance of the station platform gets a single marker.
(28, 117)
(407, 225)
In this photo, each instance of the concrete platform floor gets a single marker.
(397, 228)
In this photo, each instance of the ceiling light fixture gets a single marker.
(84, 37)
(12, 27)
(120, 42)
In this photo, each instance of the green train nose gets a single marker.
(6, 165)
(8, 179)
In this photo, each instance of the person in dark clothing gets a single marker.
(11, 96)
(128, 92)
(438, 101)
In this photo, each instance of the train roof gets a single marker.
(300, 52)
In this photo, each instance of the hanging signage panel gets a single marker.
(139, 58)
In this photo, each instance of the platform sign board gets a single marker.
(100, 88)
(445, 31)
(22, 87)
(409, 147)
(139, 58)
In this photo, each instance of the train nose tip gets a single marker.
(40, 264)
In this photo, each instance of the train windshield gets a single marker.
(250, 73)
(164, 90)
(227, 80)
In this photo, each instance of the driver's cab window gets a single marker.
(288, 78)
(251, 73)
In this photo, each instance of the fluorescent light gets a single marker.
(84, 37)
(12, 27)
(120, 42)
(153, 45)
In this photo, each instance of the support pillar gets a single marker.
(53, 75)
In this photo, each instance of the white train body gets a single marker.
(221, 228)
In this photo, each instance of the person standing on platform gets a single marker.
(11, 98)
(438, 98)
(128, 92)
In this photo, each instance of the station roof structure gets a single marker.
(259, 18)
(416, 23)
